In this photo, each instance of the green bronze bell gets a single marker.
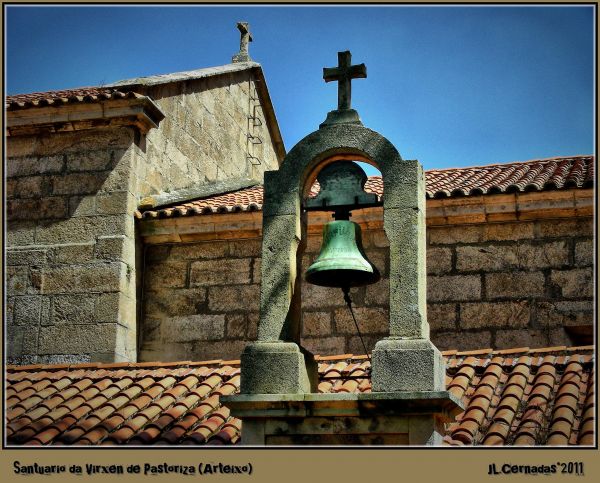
(342, 262)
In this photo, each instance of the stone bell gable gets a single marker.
(81, 161)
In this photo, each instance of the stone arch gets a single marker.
(283, 226)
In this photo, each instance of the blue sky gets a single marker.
(449, 86)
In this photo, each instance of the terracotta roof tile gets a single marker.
(68, 96)
(517, 397)
(536, 175)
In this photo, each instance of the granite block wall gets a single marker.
(70, 267)
(501, 285)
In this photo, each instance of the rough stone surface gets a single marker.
(220, 272)
(454, 287)
(514, 285)
(277, 368)
(407, 365)
(577, 283)
(482, 315)
(316, 324)
(187, 328)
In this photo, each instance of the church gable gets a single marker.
(79, 163)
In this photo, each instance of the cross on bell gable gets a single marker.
(344, 73)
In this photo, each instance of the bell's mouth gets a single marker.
(341, 278)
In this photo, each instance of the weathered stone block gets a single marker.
(167, 302)
(380, 240)
(96, 160)
(510, 257)
(418, 361)
(450, 235)
(18, 281)
(78, 183)
(316, 324)
(20, 233)
(506, 339)
(188, 328)
(483, 315)
(115, 203)
(378, 293)
(105, 277)
(252, 331)
(220, 272)
(453, 288)
(256, 270)
(29, 187)
(233, 298)
(26, 256)
(82, 205)
(577, 283)
(37, 209)
(70, 309)
(325, 346)
(354, 345)
(565, 227)
(27, 310)
(203, 250)
(439, 260)
(370, 320)
(557, 313)
(83, 229)
(277, 368)
(441, 316)
(245, 248)
(462, 340)
(72, 253)
(77, 339)
(236, 326)
(584, 253)
(514, 284)
(168, 274)
(32, 165)
(509, 231)
(116, 247)
(316, 297)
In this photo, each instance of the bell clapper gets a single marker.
(348, 301)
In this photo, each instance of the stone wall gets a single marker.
(500, 285)
(72, 253)
(70, 268)
(205, 134)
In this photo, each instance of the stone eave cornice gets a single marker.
(498, 208)
(139, 111)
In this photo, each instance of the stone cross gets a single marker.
(344, 73)
(245, 37)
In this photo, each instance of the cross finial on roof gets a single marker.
(245, 37)
(344, 73)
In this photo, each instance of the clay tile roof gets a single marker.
(69, 96)
(536, 175)
(510, 398)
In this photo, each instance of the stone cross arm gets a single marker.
(344, 73)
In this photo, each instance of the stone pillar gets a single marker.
(275, 363)
(407, 360)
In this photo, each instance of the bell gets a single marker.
(342, 262)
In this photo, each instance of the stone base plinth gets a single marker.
(400, 365)
(344, 419)
(277, 368)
